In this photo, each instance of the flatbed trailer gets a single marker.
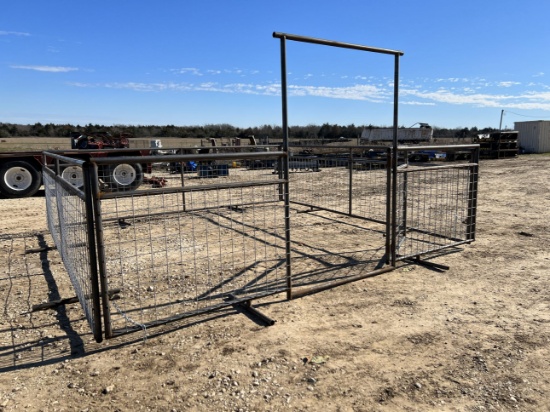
(21, 172)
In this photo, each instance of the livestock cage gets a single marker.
(243, 224)
(209, 230)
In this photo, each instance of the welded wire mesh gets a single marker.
(435, 208)
(67, 222)
(184, 248)
(329, 243)
(224, 226)
(345, 183)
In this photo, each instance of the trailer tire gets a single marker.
(122, 177)
(74, 175)
(19, 179)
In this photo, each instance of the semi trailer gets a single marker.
(21, 172)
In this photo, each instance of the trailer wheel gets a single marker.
(123, 177)
(74, 175)
(19, 179)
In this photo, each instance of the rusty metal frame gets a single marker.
(93, 196)
(391, 220)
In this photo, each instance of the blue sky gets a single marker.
(212, 61)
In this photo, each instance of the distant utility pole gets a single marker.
(501, 114)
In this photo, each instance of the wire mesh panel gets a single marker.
(339, 215)
(68, 223)
(436, 208)
(350, 180)
(182, 249)
(217, 229)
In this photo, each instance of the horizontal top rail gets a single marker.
(430, 168)
(66, 185)
(333, 43)
(228, 147)
(435, 147)
(65, 159)
(320, 146)
(188, 189)
(186, 157)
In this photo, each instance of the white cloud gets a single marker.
(529, 100)
(472, 93)
(188, 70)
(355, 92)
(198, 72)
(50, 69)
(13, 33)
(508, 84)
(414, 103)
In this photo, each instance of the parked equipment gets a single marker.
(21, 172)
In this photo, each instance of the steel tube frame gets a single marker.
(96, 197)
(350, 182)
(442, 167)
(93, 196)
(100, 246)
(472, 201)
(392, 249)
(434, 147)
(472, 167)
(186, 157)
(84, 194)
(187, 189)
(305, 39)
(285, 163)
(89, 186)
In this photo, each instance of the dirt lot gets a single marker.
(473, 338)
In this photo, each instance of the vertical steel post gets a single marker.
(280, 175)
(100, 246)
(404, 191)
(394, 161)
(183, 185)
(92, 251)
(472, 195)
(350, 191)
(402, 225)
(285, 168)
(388, 203)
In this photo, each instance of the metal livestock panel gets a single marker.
(70, 221)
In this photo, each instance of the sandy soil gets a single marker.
(473, 338)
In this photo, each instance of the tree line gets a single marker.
(324, 131)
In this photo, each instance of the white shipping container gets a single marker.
(418, 134)
(534, 136)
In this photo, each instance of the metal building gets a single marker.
(534, 136)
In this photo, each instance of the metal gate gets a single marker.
(436, 204)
